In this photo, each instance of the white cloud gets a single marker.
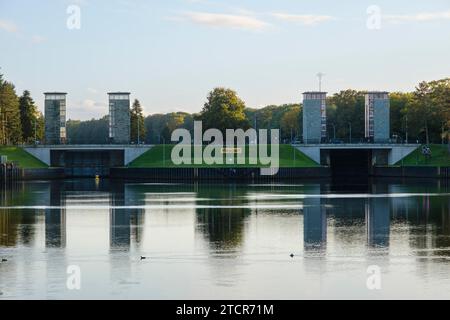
(233, 21)
(419, 17)
(305, 19)
(8, 26)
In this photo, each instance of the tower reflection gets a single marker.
(314, 220)
(125, 222)
(55, 216)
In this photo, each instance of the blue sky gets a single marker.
(170, 54)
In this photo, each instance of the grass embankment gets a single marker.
(160, 157)
(440, 157)
(21, 157)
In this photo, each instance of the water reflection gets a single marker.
(223, 227)
(377, 211)
(314, 221)
(221, 211)
(192, 227)
(125, 223)
(55, 216)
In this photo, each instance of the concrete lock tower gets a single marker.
(55, 118)
(119, 117)
(314, 116)
(377, 125)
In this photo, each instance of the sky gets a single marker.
(169, 54)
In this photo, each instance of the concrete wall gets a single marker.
(42, 154)
(312, 121)
(191, 174)
(400, 152)
(395, 152)
(120, 121)
(43, 174)
(133, 153)
(188, 174)
(54, 120)
(312, 152)
(381, 121)
(413, 172)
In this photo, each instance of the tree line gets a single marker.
(420, 116)
(20, 119)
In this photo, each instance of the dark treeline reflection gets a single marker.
(222, 227)
(378, 209)
(18, 225)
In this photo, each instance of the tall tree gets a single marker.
(40, 126)
(422, 94)
(28, 117)
(290, 123)
(137, 122)
(10, 126)
(94, 131)
(345, 112)
(428, 110)
(399, 121)
(224, 110)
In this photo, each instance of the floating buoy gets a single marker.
(292, 255)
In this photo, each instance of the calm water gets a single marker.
(232, 241)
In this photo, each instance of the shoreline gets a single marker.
(235, 174)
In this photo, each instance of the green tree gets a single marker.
(28, 117)
(160, 126)
(345, 112)
(428, 111)
(173, 121)
(224, 110)
(290, 123)
(10, 126)
(40, 127)
(399, 121)
(94, 131)
(137, 123)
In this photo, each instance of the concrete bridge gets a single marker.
(87, 160)
(382, 154)
(351, 158)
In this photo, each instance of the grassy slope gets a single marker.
(439, 157)
(24, 159)
(154, 159)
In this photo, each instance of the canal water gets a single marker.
(371, 239)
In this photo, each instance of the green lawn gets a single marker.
(160, 157)
(439, 157)
(23, 159)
